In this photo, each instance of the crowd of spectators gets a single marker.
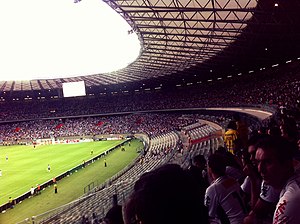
(276, 87)
(256, 184)
(150, 124)
(256, 181)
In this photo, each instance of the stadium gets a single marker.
(75, 137)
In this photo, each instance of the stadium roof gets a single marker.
(194, 40)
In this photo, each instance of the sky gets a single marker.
(46, 39)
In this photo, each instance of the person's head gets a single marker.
(199, 161)
(274, 131)
(228, 158)
(252, 147)
(231, 125)
(236, 117)
(262, 130)
(114, 215)
(222, 150)
(275, 160)
(289, 129)
(165, 195)
(216, 165)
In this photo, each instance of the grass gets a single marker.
(25, 173)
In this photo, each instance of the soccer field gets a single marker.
(71, 187)
(24, 166)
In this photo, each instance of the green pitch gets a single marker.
(27, 166)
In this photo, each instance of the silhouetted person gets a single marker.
(165, 195)
(114, 215)
(197, 170)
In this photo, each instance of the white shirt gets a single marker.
(247, 186)
(225, 192)
(32, 190)
(269, 193)
(287, 209)
(235, 173)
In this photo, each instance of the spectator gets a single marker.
(275, 164)
(165, 195)
(288, 129)
(85, 220)
(230, 136)
(114, 215)
(242, 130)
(223, 197)
(95, 219)
(233, 164)
(197, 171)
(280, 89)
(274, 131)
(252, 182)
(263, 198)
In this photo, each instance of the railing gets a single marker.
(91, 190)
(59, 177)
(50, 216)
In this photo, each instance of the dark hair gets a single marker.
(167, 195)
(222, 149)
(289, 126)
(255, 138)
(114, 215)
(275, 131)
(283, 149)
(217, 164)
(236, 117)
(228, 158)
(263, 130)
(199, 159)
(232, 125)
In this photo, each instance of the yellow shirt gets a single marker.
(229, 137)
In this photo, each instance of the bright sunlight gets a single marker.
(47, 39)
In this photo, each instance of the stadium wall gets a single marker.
(59, 177)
